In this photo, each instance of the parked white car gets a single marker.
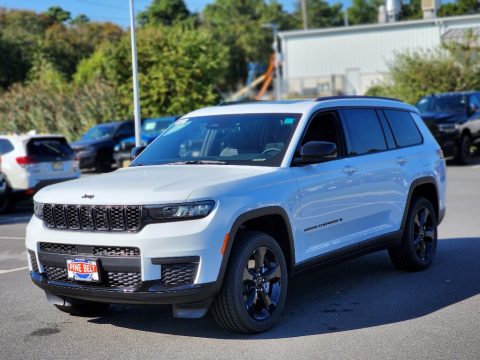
(229, 201)
(30, 162)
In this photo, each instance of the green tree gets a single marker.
(238, 26)
(364, 11)
(57, 14)
(411, 10)
(80, 19)
(320, 14)
(164, 12)
(459, 7)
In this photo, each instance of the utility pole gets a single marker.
(303, 5)
(136, 101)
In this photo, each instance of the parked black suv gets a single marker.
(95, 148)
(454, 120)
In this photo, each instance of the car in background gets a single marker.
(95, 148)
(454, 120)
(31, 162)
(151, 128)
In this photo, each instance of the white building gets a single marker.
(349, 60)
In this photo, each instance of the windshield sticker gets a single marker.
(288, 121)
(150, 126)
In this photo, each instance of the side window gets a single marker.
(475, 101)
(125, 130)
(386, 130)
(364, 130)
(5, 147)
(404, 129)
(324, 127)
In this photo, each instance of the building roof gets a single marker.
(378, 26)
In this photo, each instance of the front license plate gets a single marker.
(57, 165)
(126, 163)
(83, 270)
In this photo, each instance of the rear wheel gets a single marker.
(83, 309)
(255, 285)
(7, 202)
(419, 241)
(464, 154)
(102, 164)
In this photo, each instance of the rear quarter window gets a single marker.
(403, 127)
(5, 146)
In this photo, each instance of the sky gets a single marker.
(116, 11)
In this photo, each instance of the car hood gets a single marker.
(442, 118)
(146, 185)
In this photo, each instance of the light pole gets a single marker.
(136, 101)
(278, 82)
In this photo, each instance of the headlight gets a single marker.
(116, 148)
(185, 211)
(38, 209)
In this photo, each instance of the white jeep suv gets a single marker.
(230, 201)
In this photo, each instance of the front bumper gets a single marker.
(149, 292)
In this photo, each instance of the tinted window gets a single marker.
(126, 130)
(365, 133)
(5, 147)
(49, 149)
(443, 103)
(386, 130)
(241, 139)
(475, 101)
(404, 129)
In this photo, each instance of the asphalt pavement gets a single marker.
(362, 309)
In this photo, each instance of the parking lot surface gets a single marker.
(362, 309)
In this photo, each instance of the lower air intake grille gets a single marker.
(33, 261)
(111, 279)
(177, 274)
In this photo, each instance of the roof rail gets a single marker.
(238, 102)
(355, 97)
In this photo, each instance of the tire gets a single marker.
(241, 305)
(419, 242)
(102, 164)
(84, 309)
(464, 153)
(7, 202)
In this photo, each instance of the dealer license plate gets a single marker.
(83, 270)
(57, 165)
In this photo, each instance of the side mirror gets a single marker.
(137, 150)
(471, 109)
(317, 151)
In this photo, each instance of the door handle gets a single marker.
(401, 160)
(349, 170)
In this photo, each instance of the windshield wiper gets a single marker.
(201, 162)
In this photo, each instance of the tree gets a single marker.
(80, 19)
(164, 12)
(411, 10)
(459, 7)
(238, 26)
(320, 14)
(57, 14)
(364, 11)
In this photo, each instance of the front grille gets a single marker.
(92, 250)
(110, 279)
(177, 274)
(92, 218)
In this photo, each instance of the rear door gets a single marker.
(371, 146)
(50, 158)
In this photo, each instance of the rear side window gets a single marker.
(49, 148)
(5, 146)
(364, 130)
(403, 127)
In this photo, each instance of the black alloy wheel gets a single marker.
(262, 283)
(424, 234)
(464, 156)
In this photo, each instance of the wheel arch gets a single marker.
(426, 187)
(272, 220)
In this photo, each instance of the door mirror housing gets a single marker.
(317, 151)
(137, 150)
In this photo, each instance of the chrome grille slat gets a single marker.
(92, 217)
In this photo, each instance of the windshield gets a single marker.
(445, 104)
(156, 126)
(246, 139)
(99, 132)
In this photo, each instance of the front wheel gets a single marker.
(255, 285)
(419, 241)
(464, 154)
